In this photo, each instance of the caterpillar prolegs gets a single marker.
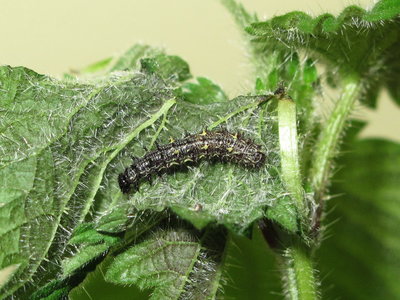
(208, 145)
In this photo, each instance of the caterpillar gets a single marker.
(211, 145)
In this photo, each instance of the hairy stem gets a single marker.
(289, 152)
(329, 138)
(300, 280)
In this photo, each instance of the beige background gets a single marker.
(52, 36)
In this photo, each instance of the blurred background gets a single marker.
(53, 37)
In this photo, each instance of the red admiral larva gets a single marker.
(209, 145)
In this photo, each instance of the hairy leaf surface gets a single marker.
(57, 139)
(64, 143)
(355, 42)
(175, 262)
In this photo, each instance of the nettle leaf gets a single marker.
(356, 42)
(98, 66)
(361, 255)
(57, 139)
(227, 193)
(253, 272)
(93, 248)
(126, 218)
(203, 92)
(167, 66)
(383, 10)
(86, 233)
(63, 145)
(56, 290)
(302, 81)
(128, 61)
(177, 263)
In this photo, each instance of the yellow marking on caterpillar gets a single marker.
(205, 147)
(176, 151)
(234, 136)
(203, 133)
(171, 139)
(230, 149)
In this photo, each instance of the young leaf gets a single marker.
(356, 42)
(203, 92)
(93, 248)
(86, 234)
(130, 60)
(172, 261)
(172, 68)
(97, 66)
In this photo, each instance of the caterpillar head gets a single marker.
(126, 179)
(123, 183)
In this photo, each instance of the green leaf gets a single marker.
(97, 66)
(360, 257)
(356, 41)
(95, 287)
(57, 140)
(115, 220)
(56, 290)
(252, 270)
(167, 66)
(384, 10)
(130, 60)
(86, 234)
(285, 214)
(174, 262)
(203, 92)
(237, 199)
(94, 247)
(84, 256)
(63, 167)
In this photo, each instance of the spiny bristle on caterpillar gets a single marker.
(212, 145)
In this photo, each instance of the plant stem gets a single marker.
(300, 281)
(330, 136)
(289, 152)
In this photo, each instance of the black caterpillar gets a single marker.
(220, 145)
